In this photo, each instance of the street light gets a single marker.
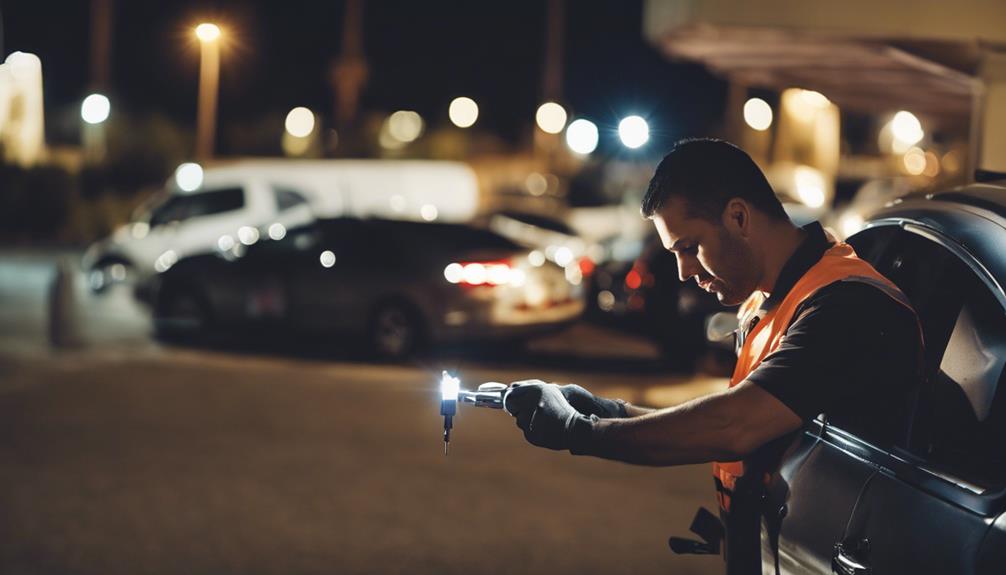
(633, 131)
(95, 109)
(463, 112)
(551, 117)
(581, 136)
(209, 79)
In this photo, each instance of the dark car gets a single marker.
(399, 284)
(646, 296)
(848, 502)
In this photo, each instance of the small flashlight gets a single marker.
(449, 388)
(489, 395)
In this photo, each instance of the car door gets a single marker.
(812, 496)
(210, 214)
(929, 506)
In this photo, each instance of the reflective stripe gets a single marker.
(839, 263)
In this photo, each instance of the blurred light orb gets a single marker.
(429, 212)
(207, 32)
(327, 259)
(277, 231)
(475, 274)
(951, 161)
(914, 161)
(248, 235)
(907, 130)
(300, 122)
(810, 186)
(454, 273)
(189, 176)
(536, 184)
(758, 114)
(582, 136)
(633, 131)
(551, 117)
(606, 300)
(95, 109)
(563, 256)
(536, 258)
(463, 112)
(225, 243)
(851, 223)
(405, 125)
(498, 274)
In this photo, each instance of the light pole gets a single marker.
(209, 79)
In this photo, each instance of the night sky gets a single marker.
(421, 54)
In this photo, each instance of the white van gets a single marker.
(251, 199)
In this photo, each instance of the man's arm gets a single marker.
(635, 410)
(724, 426)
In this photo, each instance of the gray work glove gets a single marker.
(584, 401)
(546, 417)
(589, 404)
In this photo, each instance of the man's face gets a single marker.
(716, 254)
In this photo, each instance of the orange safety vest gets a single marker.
(838, 263)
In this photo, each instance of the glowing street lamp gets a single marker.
(633, 131)
(758, 114)
(209, 80)
(95, 109)
(463, 112)
(551, 117)
(582, 136)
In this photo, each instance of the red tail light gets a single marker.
(487, 273)
(586, 266)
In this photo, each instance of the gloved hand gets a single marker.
(584, 401)
(546, 418)
(589, 404)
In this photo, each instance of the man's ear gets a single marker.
(737, 217)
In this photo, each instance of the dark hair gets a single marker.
(708, 173)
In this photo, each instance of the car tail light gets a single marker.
(491, 273)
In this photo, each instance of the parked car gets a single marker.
(647, 297)
(399, 284)
(230, 200)
(847, 502)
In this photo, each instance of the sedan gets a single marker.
(401, 285)
(847, 502)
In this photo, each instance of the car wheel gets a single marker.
(396, 331)
(181, 314)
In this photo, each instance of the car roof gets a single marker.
(973, 216)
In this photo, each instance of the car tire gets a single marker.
(182, 314)
(395, 331)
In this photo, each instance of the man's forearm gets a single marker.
(723, 426)
(635, 410)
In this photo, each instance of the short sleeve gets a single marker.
(850, 345)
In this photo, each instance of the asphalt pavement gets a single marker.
(121, 455)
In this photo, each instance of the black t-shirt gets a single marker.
(851, 352)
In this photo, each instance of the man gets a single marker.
(821, 332)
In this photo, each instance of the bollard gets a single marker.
(64, 329)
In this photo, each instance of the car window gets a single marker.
(287, 198)
(173, 209)
(960, 424)
(215, 202)
(968, 428)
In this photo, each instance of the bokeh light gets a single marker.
(582, 136)
(551, 117)
(633, 131)
(463, 112)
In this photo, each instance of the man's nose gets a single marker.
(686, 269)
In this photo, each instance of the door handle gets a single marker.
(845, 562)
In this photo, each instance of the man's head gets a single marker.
(712, 205)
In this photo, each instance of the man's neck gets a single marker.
(785, 239)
